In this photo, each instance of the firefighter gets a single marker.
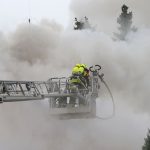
(86, 73)
(77, 72)
(80, 75)
(76, 69)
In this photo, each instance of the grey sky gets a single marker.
(17, 11)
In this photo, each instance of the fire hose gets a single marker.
(96, 71)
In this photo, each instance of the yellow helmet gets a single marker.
(83, 65)
(77, 65)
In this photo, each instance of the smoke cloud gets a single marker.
(103, 14)
(40, 51)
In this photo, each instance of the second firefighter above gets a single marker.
(80, 75)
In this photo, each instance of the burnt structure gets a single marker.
(82, 24)
(125, 22)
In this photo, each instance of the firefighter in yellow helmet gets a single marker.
(75, 69)
(80, 74)
(76, 73)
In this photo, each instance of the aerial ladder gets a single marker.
(65, 99)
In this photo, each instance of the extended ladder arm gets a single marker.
(14, 91)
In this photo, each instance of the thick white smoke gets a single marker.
(36, 51)
(104, 14)
(125, 63)
(40, 51)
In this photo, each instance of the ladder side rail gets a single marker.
(1, 88)
(25, 89)
(5, 88)
(36, 90)
(59, 86)
(67, 86)
(43, 88)
(46, 87)
(14, 90)
(21, 88)
(39, 85)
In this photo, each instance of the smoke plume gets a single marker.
(40, 51)
(103, 14)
